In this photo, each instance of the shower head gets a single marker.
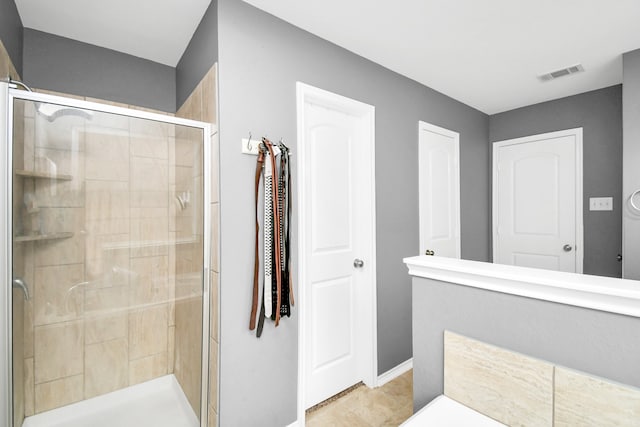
(51, 112)
(16, 83)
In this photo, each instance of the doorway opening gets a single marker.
(336, 248)
(537, 201)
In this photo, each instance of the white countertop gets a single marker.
(582, 290)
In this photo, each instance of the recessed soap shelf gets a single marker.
(40, 237)
(43, 175)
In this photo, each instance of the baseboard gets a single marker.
(394, 373)
(294, 424)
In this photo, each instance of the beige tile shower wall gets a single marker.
(19, 301)
(201, 105)
(6, 65)
(101, 316)
(18, 355)
(503, 385)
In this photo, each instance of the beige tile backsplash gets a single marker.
(523, 391)
(587, 401)
(501, 384)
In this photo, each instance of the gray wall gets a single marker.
(199, 56)
(599, 113)
(11, 31)
(631, 165)
(596, 342)
(260, 60)
(68, 66)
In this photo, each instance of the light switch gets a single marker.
(601, 203)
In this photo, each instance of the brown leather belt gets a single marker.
(256, 266)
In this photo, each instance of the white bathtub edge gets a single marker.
(446, 412)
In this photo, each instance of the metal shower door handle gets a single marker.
(358, 263)
(19, 283)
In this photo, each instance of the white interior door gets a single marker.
(537, 201)
(337, 244)
(439, 187)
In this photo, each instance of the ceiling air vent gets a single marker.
(560, 73)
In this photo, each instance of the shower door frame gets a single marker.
(7, 96)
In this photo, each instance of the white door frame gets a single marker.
(456, 141)
(309, 94)
(575, 132)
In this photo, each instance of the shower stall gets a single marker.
(105, 256)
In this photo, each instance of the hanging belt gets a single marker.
(256, 265)
(285, 217)
(276, 229)
(288, 232)
(288, 235)
(284, 303)
(268, 232)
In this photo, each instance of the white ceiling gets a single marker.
(486, 54)
(158, 30)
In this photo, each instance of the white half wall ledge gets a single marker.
(620, 296)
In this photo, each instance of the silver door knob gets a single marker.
(358, 263)
(429, 252)
(567, 248)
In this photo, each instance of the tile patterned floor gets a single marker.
(386, 406)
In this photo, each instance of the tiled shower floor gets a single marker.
(157, 403)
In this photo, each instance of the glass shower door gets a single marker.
(108, 258)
